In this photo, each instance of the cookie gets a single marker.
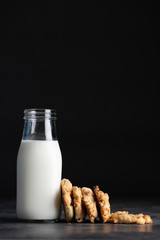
(103, 203)
(79, 208)
(67, 199)
(90, 203)
(125, 217)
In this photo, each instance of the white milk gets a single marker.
(39, 167)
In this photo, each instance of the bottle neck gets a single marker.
(39, 130)
(40, 124)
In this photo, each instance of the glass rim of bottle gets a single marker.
(40, 113)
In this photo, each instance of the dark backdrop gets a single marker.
(98, 66)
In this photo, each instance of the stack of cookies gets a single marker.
(80, 201)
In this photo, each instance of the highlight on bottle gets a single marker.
(38, 113)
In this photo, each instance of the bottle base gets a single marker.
(39, 220)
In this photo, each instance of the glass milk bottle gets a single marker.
(39, 167)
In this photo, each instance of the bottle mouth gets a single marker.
(40, 113)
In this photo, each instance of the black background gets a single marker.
(98, 66)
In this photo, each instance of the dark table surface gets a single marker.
(11, 228)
